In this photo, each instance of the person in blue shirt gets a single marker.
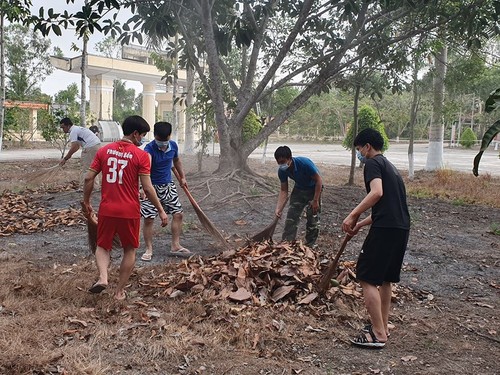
(306, 194)
(164, 154)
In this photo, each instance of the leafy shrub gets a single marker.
(468, 138)
(251, 126)
(367, 118)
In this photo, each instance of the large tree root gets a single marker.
(246, 180)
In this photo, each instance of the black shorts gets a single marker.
(382, 255)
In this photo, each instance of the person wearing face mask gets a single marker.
(306, 194)
(121, 164)
(164, 155)
(381, 257)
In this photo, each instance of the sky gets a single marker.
(59, 80)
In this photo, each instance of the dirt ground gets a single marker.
(445, 313)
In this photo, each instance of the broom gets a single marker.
(204, 220)
(91, 218)
(267, 232)
(332, 266)
(43, 175)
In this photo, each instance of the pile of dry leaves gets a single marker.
(257, 274)
(23, 213)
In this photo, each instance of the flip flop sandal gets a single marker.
(97, 288)
(182, 252)
(368, 327)
(146, 257)
(362, 340)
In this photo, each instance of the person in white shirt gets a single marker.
(80, 137)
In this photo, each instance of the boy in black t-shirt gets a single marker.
(381, 257)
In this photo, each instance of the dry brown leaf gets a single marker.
(240, 295)
(77, 321)
(281, 292)
(308, 299)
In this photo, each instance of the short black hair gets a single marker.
(162, 130)
(94, 129)
(283, 152)
(371, 136)
(135, 123)
(66, 121)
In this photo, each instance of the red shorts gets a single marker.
(127, 230)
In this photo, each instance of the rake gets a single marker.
(204, 220)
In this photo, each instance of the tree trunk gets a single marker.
(227, 152)
(175, 84)
(2, 79)
(233, 157)
(355, 132)
(436, 129)
(413, 120)
(189, 144)
(83, 88)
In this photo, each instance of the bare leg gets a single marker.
(126, 268)
(147, 232)
(385, 298)
(373, 304)
(176, 231)
(102, 258)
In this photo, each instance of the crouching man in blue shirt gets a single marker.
(305, 194)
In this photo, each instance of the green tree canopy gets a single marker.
(27, 62)
(310, 42)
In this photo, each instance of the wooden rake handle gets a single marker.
(186, 190)
(332, 266)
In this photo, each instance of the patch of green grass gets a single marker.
(458, 202)
(254, 191)
(420, 193)
(495, 228)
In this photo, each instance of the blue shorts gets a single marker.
(382, 255)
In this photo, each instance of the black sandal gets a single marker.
(362, 341)
(367, 328)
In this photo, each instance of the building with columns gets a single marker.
(135, 65)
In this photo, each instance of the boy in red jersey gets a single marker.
(122, 165)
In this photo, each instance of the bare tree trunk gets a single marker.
(175, 83)
(354, 133)
(413, 120)
(189, 144)
(83, 88)
(436, 129)
(2, 78)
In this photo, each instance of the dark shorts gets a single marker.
(382, 255)
(127, 230)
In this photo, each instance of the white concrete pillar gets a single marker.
(101, 97)
(33, 119)
(148, 103)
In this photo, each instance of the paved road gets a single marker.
(454, 158)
